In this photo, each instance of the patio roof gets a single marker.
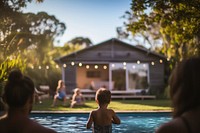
(111, 41)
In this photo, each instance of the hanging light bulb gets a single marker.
(96, 66)
(64, 65)
(72, 63)
(80, 64)
(47, 67)
(87, 66)
(104, 67)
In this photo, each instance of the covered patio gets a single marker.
(115, 65)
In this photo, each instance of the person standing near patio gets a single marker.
(18, 98)
(185, 95)
(102, 118)
(60, 93)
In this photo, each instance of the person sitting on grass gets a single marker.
(18, 98)
(60, 93)
(102, 118)
(77, 98)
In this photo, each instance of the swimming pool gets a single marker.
(76, 122)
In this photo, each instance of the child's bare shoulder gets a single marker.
(93, 112)
(111, 111)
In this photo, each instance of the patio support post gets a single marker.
(110, 76)
(63, 73)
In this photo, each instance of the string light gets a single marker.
(168, 59)
(47, 67)
(72, 63)
(80, 64)
(104, 66)
(96, 66)
(64, 65)
(87, 66)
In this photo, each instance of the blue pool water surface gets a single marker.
(76, 122)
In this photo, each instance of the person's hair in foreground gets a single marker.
(18, 97)
(102, 118)
(185, 95)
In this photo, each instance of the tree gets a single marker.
(81, 41)
(25, 36)
(175, 23)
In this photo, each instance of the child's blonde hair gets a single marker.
(103, 96)
(76, 90)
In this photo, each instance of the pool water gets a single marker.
(76, 122)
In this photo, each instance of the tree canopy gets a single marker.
(25, 37)
(176, 24)
(81, 41)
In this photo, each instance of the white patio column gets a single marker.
(127, 78)
(110, 76)
(63, 73)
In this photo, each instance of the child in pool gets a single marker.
(102, 117)
(77, 98)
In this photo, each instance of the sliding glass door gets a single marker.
(137, 76)
(129, 76)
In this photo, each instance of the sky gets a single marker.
(95, 19)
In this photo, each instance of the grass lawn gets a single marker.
(117, 105)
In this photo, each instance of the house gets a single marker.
(115, 65)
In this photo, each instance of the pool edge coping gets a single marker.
(80, 112)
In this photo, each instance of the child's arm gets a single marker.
(73, 97)
(90, 121)
(115, 118)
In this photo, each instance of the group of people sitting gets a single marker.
(77, 98)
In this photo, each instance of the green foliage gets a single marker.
(30, 36)
(7, 65)
(81, 41)
(68, 48)
(175, 23)
(45, 76)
